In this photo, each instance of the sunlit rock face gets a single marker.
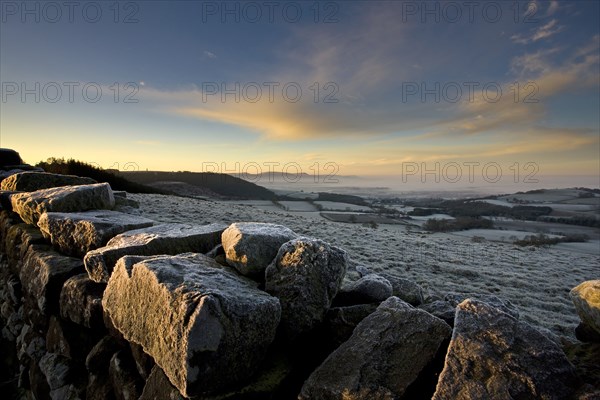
(78, 233)
(306, 275)
(204, 325)
(32, 181)
(384, 355)
(493, 355)
(30, 206)
(586, 298)
(160, 239)
(251, 246)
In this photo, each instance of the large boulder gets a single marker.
(43, 274)
(32, 181)
(586, 298)
(251, 246)
(493, 355)
(382, 358)
(305, 275)
(207, 327)
(77, 233)
(168, 239)
(30, 206)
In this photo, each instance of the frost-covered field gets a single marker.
(337, 206)
(536, 280)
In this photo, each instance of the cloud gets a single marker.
(284, 120)
(539, 79)
(538, 62)
(552, 7)
(360, 57)
(547, 30)
(543, 32)
(542, 140)
(531, 142)
(208, 54)
(368, 111)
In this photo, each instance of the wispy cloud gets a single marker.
(543, 32)
(359, 57)
(540, 78)
(538, 62)
(549, 72)
(529, 144)
(547, 30)
(208, 54)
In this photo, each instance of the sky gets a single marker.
(371, 88)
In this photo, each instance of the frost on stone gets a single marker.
(204, 325)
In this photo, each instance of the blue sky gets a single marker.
(382, 63)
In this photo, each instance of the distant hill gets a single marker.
(273, 175)
(222, 184)
(80, 168)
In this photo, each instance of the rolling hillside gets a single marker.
(223, 185)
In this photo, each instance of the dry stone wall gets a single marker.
(98, 303)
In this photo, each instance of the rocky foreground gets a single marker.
(99, 302)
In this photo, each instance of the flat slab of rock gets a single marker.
(43, 274)
(305, 275)
(251, 246)
(384, 355)
(32, 181)
(30, 206)
(586, 298)
(77, 233)
(207, 327)
(492, 355)
(168, 239)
